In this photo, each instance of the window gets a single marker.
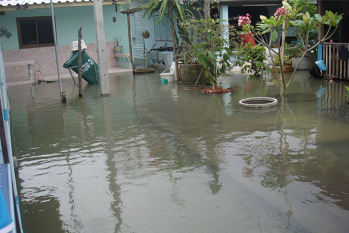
(35, 32)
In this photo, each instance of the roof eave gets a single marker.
(55, 5)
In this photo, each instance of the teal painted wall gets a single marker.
(68, 22)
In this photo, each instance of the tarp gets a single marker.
(6, 223)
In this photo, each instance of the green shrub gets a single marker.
(255, 57)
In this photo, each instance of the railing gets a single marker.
(335, 67)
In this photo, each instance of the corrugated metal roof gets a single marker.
(31, 2)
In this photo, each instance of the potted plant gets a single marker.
(204, 49)
(190, 70)
(145, 34)
(117, 47)
(295, 52)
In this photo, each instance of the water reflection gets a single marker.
(160, 158)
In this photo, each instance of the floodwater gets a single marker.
(155, 158)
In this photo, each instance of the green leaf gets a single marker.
(267, 31)
(274, 35)
(212, 55)
(279, 21)
(287, 5)
(318, 17)
(262, 17)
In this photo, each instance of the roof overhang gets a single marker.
(12, 5)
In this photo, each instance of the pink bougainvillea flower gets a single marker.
(282, 11)
(244, 20)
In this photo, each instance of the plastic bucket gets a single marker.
(167, 77)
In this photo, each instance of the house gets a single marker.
(30, 23)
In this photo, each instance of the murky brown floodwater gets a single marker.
(155, 158)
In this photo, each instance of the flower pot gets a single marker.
(306, 63)
(286, 68)
(189, 73)
(145, 34)
(117, 49)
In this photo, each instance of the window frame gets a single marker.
(37, 45)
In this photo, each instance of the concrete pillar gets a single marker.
(101, 48)
(224, 15)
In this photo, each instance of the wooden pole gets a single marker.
(129, 40)
(79, 63)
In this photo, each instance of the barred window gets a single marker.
(35, 32)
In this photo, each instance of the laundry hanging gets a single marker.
(343, 52)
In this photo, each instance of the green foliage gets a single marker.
(203, 41)
(255, 58)
(303, 21)
(304, 6)
(287, 60)
(347, 90)
(160, 7)
(194, 32)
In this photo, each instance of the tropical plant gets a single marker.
(287, 17)
(252, 59)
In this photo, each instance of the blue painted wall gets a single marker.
(68, 21)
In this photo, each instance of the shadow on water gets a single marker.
(162, 158)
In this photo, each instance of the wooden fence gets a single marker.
(335, 67)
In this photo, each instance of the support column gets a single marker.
(101, 48)
(224, 15)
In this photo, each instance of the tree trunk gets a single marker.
(174, 40)
(129, 40)
(207, 6)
